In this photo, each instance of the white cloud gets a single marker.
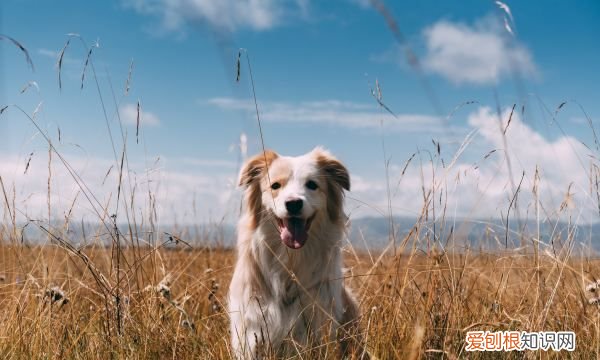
(71, 66)
(54, 54)
(174, 185)
(475, 189)
(48, 53)
(228, 15)
(483, 189)
(479, 54)
(129, 114)
(333, 113)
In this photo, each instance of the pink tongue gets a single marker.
(293, 233)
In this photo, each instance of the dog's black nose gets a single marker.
(293, 206)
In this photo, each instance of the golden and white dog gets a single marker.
(287, 290)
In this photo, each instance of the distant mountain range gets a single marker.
(369, 232)
(374, 232)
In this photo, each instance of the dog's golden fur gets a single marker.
(283, 298)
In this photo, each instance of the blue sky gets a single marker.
(314, 64)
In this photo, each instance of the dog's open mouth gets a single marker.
(294, 231)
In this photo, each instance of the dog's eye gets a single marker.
(312, 185)
(275, 185)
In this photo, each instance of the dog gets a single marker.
(287, 291)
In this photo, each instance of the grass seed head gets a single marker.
(56, 295)
(164, 286)
(594, 301)
(186, 323)
(593, 287)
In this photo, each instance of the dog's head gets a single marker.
(294, 191)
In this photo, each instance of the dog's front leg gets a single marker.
(351, 340)
(250, 331)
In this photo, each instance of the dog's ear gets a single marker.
(338, 179)
(333, 168)
(255, 166)
(250, 179)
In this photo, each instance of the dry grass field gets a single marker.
(127, 299)
(60, 302)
